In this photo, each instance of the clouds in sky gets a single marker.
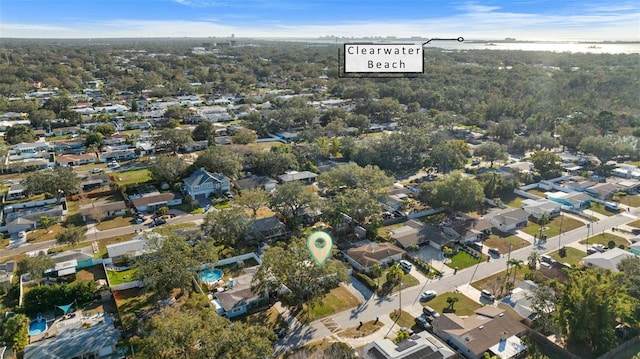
(532, 20)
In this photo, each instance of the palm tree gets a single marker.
(394, 274)
(544, 220)
(516, 264)
(376, 270)
(452, 301)
(533, 260)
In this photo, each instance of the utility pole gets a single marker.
(560, 234)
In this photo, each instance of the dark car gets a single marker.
(280, 332)
(423, 322)
(494, 251)
(635, 230)
(159, 221)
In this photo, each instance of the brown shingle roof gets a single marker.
(368, 254)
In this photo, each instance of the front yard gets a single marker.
(502, 241)
(463, 260)
(552, 228)
(337, 300)
(604, 238)
(630, 200)
(132, 177)
(463, 307)
(574, 256)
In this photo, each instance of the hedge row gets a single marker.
(367, 281)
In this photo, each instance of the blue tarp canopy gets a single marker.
(65, 308)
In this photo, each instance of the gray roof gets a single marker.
(201, 176)
(253, 182)
(512, 216)
(74, 342)
(297, 176)
(241, 293)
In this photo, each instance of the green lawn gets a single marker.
(124, 276)
(433, 219)
(132, 177)
(635, 223)
(604, 238)
(502, 241)
(403, 318)
(629, 200)
(574, 256)
(337, 300)
(115, 222)
(463, 259)
(463, 307)
(599, 208)
(512, 200)
(537, 192)
(407, 281)
(553, 227)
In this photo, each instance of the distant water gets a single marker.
(572, 47)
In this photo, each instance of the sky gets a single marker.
(566, 20)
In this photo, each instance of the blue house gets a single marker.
(573, 200)
(202, 184)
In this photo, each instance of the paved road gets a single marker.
(376, 306)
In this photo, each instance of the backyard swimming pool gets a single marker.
(37, 326)
(210, 276)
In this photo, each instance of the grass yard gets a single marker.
(120, 277)
(383, 232)
(493, 282)
(630, 200)
(357, 331)
(115, 222)
(433, 219)
(512, 200)
(537, 192)
(263, 212)
(132, 177)
(502, 241)
(45, 234)
(635, 223)
(599, 208)
(407, 281)
(604, 238)
(269, 318)
(463, 260)
(402, 318)
(553, 227)
(463, 307)
(574, 256)
(130, 302)
(337, 300)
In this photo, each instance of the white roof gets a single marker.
(608, 259)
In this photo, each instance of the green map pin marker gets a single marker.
(319, 244)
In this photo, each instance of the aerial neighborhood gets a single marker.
(157, 198)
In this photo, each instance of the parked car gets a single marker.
(487, 295)
(159, 221)
(423, 322)
(475, 245)
(547, 259)
(406, 266)
(408, 330)
(96, 170)
(475, 162)
(428, 295)
(635, 230)
(494, 251)
(430, 312)
(599, 247)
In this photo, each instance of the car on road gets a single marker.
(430, 312)
(428, 295)
(423, 322)
(96, 170)
(485, 294)
(494, 252)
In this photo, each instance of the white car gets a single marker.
(427, 295)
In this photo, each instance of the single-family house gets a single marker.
(608, 259)
(61, 131)
(239, 298)
(520, 300)
(73, 146)
(305, 177)
(20, 225)
(16, 191)
(489, 329)
(196, 146)
(466, 229)
(269, 229)
(414, 232)
(363, 258)
(253, 182)
(94, 181)
(202, 184)
(104, 209)
(132, 248)
(510, 220)
(574, 200)
(151, 201)
(75, 160)
(119, 155)
(82, 257)
(540, 207)
(419, 345)
(96, 341)
(603, 191)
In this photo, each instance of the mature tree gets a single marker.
(168, 263)
(177, 113)
(20, 133)
(544, 303)
(605, 148)
(220, 159)
(589, 305)
(105, 129)
(253, 199)
(455, 191)
(275, 163)
(505, 130)
(368, 178)
(226, 226)
(491, 151)
(16, 332)
(94, 140)
(167, 169)
(42, 118)
(452, 300)
(60, 182)
(495, 184)
(631, 268)
(547, 163)
(515, 264)
(72, 235)
(359, 204)
(197, 332)
(205, 130)
(244, 136)
(35, 266)
(290, 266)
(532, 260)
(290, 198)
(174, 138)
(47, 221)
(572, 134)
(172, 123)
(449, 155)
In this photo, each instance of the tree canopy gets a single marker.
(455, 191)
(167, 169)
(62, 181)
(491, 151)
(20, 133)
